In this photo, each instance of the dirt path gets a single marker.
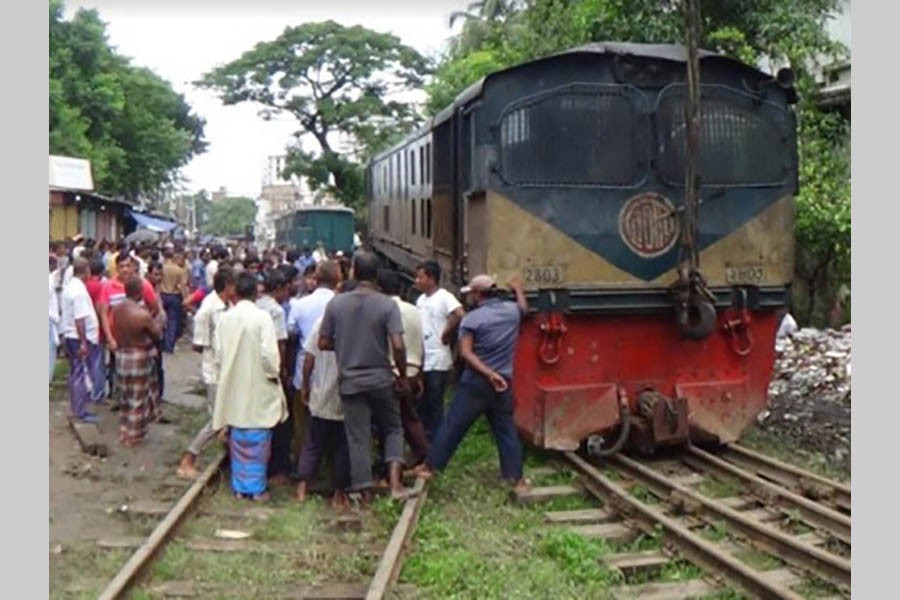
(87, 493)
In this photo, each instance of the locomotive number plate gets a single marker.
(544, 275)
(745, 275)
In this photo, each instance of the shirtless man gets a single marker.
(136, 333)
(111, 293)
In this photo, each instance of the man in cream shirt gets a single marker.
(249, 400)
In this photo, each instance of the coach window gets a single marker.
(413, 220)
(428, 162)
(422, 163)
(428, 218)
(387, 218)
(422, 215)
(412, 167)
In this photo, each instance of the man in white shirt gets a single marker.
(54, 322)
(326, 433)
(275, 291)
(441, 313)
(80, 329)
(303, 315)
(787, 327)
(413, 429)
(213, 265)
(249, 397)
(205, 321)
(319, 254)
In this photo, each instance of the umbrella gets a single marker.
(142, 235)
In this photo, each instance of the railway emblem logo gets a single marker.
(649, 225)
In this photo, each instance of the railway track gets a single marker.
(188, 506)
(755, 526)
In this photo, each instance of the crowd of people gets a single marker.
(306, 359)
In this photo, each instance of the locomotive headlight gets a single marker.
(785, 78)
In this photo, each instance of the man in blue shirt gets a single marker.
(198, 270)
(487, 344)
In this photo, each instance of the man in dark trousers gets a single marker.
(357, 326)
(487, 344)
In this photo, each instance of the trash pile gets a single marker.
(809, 396)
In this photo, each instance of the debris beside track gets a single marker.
(809, 396)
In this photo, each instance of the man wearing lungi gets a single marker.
(249, 399)
(136, 334)
(111, 294)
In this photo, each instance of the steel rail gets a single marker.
(699, 550)
(392, 560)
(798, 480)
(132, 569)
(830, 567)
(813, 513)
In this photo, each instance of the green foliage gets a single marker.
(229, 216)
(136, 131)
(338, 82)
(577, 556)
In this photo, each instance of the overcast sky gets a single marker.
(181, 40)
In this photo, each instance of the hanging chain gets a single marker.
(689, 255)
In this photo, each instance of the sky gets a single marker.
(182, 40)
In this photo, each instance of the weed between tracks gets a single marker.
(474, 541)
(771, 445)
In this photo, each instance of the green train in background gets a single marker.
(334, 226)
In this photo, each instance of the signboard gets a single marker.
(71, 173)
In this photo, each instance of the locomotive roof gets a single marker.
(328, 208)
(671, 52)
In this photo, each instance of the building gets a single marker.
(221, 194)
(75, 207)
(834, 78)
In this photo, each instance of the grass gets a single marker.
(758, 560)
(473, 541)
(715, 533)
(719, 488)
(771, 445)
(816, 588)
(82, 570)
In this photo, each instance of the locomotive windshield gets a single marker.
(584, 135)
(599, 135)
(743, 141)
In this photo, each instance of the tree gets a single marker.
(337, 81)
(136, 131)
(229, 216)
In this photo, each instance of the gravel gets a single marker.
(809, 396)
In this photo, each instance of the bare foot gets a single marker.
(186, 468)
(340, 502)
(301, 491)
(403, 494)
(264, 497)
(422, 471)
(522, 486)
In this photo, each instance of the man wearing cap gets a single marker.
(487, 344)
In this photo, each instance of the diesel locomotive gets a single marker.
(569, 172)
